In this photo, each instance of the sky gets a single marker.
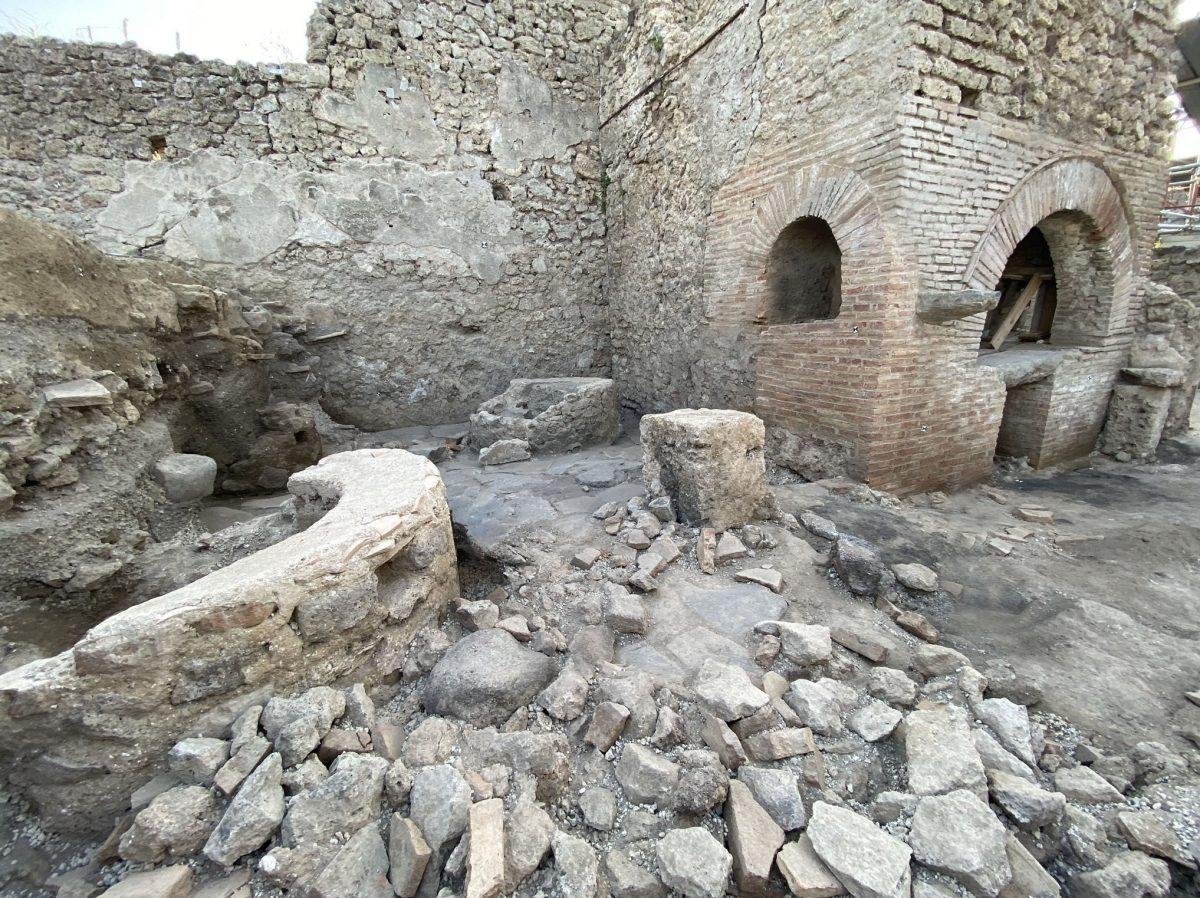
(232, 30)
(247, 30)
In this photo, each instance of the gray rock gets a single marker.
(184, 477)
(777, 791)
(891, 806)
(806, 874)
(627, 880)
(1085, 786)
(1010, 722)
(892, 686)
(703, 782)
(554, 414)
(566, 695)
(941, 753)
(805, 644)
(819, 526)
(485, 852)
(635, 690)
(358, 870)
(408, 855)
(1129, 875)
(725, 691)
(608, 721)
(527, 839)
(858, 564)
(480, 614)
(776, 745)
(624, 611)
(165, 882)
(503, 452)
(177, 823)
(754, 839)
(439, 804)
(297, 725)
(308, 774)
(244, 728)
(577, 865)
(360, 710)
(938, 660)
(729, 548)
(692, 862)
(1145, 831)
(958, 835)
(599, 807)
(996, 757)
(397, 782)
(1030, 806)
(1029, 878)
(916, 577)
(82, 393)
(875, 720)
(817, 704)
(865, 859)
(485, 677)
(763, 576)
(344, 802)
(252, 816)
(721, 739)
(197, 759)
(240, 765)
(430, 743)
(646, 776)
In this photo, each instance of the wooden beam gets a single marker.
(1013, 315)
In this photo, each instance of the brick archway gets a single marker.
(1065, 185)
(735, 284)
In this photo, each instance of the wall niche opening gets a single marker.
(804, 273)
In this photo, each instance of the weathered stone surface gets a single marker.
(165, 882)
(868, 645)
(484, 677)
(805, 873)
(1129, 875)
(858, 564)
(634, 690)
(239, 766)
(1145, 831)
(357, 870)
(197, 759)
(725, 691)
(1029, 878)
(754, 839)
(875, 721)
(577, 865)
(778, 793)
(1084, 785)
(527, 838)
(556, 414)
(344, 802)
(819, 526)
(184, 477)
(916, 577)
(805, 643)
(297, 725)
(566, 695)
(504, 452)
(996, 757)
(83, 393)
(865, 859)
(408, 855)
(599, 807)
(763, 576)
(624, 611)
(957, 834)
(176, 823)
(485, 858)
(710, 463)
(439, 804)
(692, 862)
(730, 548)
(1030, 806)
(892, 686)
(252, 816)
(608, 721)
(720, 738)
(938, 660)
(1010, 722)
(818, 704)
(941, 753)
(627, 880)
(646, 776)
(775, 745)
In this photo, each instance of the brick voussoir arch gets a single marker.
(736, 258)
(1073, 184)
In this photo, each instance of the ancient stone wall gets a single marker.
(429, 184)
(342, 598)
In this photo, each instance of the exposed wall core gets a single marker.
(804, 273)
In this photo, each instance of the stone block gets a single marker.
(185, 477)
(1136, 417)
(554, 414)
(710, 463)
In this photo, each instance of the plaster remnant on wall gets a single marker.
(531, 122)
(390, 112)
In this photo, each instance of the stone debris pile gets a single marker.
(555, 414)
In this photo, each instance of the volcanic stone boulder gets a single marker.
(486, 676)
(710, 462)
(555, 414)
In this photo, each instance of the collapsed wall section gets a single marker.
(342, 598)
(423, 197)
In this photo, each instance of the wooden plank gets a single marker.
(1013, 315)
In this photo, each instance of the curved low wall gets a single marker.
(339, 599)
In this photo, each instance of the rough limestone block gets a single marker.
(554, 414)
(1136, 417)
(84, 393)
(185, 477)
(710, 463)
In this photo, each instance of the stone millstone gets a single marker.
(485, 677)
(865, 859)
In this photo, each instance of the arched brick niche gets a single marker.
(1078, 209)
(816, 380)
(1074, 192)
